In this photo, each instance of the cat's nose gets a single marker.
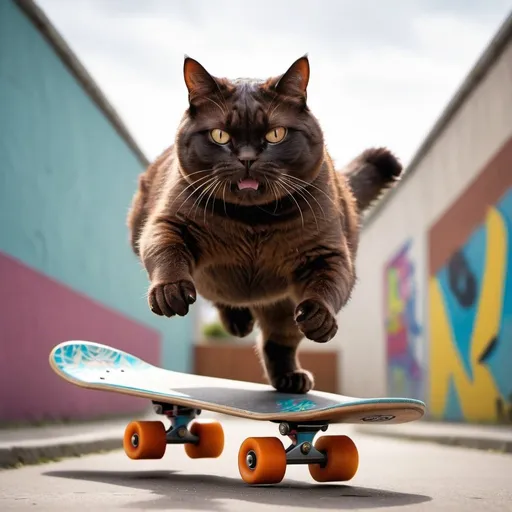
(247, 156)
(247, 163)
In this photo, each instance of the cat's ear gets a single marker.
(198, 81)
(295, 81)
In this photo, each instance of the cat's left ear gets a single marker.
(198, 81)
(295, 81)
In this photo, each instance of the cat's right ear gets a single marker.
(198, 81)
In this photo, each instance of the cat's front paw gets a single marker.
(170, 299)
(298, 381)
(316, 321)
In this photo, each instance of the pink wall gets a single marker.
(36, 313)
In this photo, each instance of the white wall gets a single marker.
(480, 127)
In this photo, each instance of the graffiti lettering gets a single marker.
(471, 325)
(402, 327)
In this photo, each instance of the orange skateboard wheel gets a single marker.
(211, 440)
(262, 460)
(342, 459)
(145, 440)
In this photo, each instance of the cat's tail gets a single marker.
(371, 173)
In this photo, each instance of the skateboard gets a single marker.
(181, 397)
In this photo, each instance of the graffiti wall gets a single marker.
(403, 332)
(470, 302)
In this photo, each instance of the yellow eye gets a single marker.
(220, 136)
(276, 135)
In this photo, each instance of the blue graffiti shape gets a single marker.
(413, 325)
(500, 359)
(466, 266)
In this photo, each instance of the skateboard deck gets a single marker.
(181, 397)
(96, 366)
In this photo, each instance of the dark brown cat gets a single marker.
(247, 209)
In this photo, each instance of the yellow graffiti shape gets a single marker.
(477, 396)
(399, 379)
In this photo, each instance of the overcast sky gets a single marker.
(381, 70)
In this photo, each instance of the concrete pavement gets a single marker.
(30, 445)
(482, 437)
(33, 444)
(392, 473)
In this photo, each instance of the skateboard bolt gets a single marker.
(135, 440)
(284, 429)
(181, 432)
(250, 459)
(305, 448)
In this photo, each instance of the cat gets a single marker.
(247, 209)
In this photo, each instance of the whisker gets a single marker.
(201, 189)
(191, 184)
(215, 103)
(295, 200)
(215, 189)
(274, 189)
(224, 198)
(309, 185)
(269, 187)
(197, 172)
(221, 96)
(195, 181)
(296, 189)
(270, 113)
(211, 178)
(201, 195)
(271, 103)
(303, 189)
(214, 198)
(270, 106)
(217, 184)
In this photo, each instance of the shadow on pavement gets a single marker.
(205, 492)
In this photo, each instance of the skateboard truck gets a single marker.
(302, 451)
(149, 439)
(180, 417)
(263, 460)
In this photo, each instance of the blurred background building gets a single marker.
(431, 316)
(68, 170)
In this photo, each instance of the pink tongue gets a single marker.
(248, 184)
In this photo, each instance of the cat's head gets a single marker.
(249, 141)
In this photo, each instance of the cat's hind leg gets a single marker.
(237, 321)
(278, 345)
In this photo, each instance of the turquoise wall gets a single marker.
(66, 182)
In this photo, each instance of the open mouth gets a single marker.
(248, 184)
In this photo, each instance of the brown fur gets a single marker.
(282, 256)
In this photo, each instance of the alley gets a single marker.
(392, 474)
